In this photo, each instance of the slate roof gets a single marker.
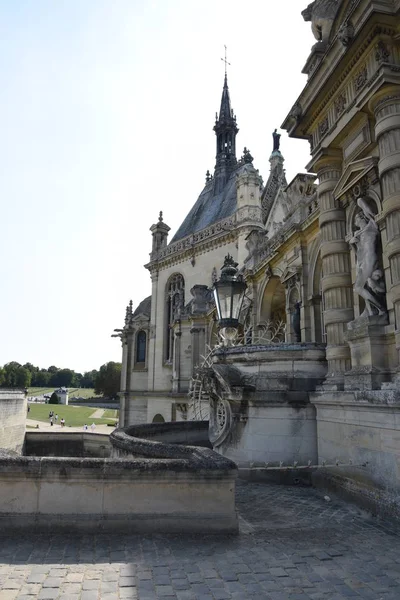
(209, 208)
(144, 308)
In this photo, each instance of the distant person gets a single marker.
(29, 408)
(93, 427)
(51, 421)
(62, 422)
(56, 417)
(85, 427)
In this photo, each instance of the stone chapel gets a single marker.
(166, 336)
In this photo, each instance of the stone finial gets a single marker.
(160, 217)
(208, 176)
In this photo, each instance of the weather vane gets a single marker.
(225, 61)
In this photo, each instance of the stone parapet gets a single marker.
(190, 490)
(13, 408)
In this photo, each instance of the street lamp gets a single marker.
(228, 294)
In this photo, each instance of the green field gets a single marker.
(80, 392)
(75, 416)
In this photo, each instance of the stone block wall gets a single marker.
(361, 428)
(13, 407)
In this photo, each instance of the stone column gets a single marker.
(336, 268)
(387, 131)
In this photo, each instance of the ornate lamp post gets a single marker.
(228, 294)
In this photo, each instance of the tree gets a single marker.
(89, 379)
(41, 378)
(16, 376)
(54, 399)
(108, 380)
(62, 378)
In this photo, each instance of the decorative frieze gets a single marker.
(360, 79)
(323, 126)
(340, 104)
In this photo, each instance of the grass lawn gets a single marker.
(75, 416)
(110, 413)
(81, 392)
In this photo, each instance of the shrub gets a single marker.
(54, 399)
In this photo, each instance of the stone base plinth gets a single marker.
(369, 350)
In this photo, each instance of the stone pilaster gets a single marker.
(387, 131)
(198, 337)
(336, 282)
(126, 371)
(151, 357)
(176, 372)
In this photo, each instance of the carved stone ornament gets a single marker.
(321, 13)
(360, 79)
(323, 127)
(346, 33)
(381, 52)
(201, 297)
(340, 104)
(296, 111)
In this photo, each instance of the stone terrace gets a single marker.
(293, 545)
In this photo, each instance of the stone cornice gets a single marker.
(315, 88)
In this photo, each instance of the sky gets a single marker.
(106, 116)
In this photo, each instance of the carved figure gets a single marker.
(346, 33)
(276, 137)
(321, 13)
(296, 322)
(369, 282)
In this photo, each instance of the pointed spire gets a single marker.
(225, 111)
(129, 312)
(225, 130)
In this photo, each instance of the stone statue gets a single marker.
(369, 282)
(296, 322)
(276, 137)
(321, 13)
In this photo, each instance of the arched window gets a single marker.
(175, 301)
(141, 339)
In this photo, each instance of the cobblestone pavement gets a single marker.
(293, 545)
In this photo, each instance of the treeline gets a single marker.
(105, 381)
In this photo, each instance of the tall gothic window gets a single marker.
(141, 339)
(175, 300)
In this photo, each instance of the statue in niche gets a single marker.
(369, 284)
(296, 322)
(276, 137)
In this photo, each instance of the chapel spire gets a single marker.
(225, 130)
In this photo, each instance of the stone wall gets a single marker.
(361, 427)
(13, 407)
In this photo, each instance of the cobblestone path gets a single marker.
(293, 545)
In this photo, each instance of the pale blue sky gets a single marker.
(106, 116)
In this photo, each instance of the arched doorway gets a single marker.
(273, 306)
(158, 419)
